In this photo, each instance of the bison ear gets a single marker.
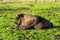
(21, 15)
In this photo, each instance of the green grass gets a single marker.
(50, 11)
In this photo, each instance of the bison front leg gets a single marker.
(23, 27)
(12, 27)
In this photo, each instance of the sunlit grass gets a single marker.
(50, 11)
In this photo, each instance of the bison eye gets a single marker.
(18, 15)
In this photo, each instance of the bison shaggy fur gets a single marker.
(30, 21)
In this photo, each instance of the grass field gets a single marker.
(50, 11)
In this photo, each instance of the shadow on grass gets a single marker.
(56, 26)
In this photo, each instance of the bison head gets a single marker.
(18, 19)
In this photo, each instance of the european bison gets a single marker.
(29, 21)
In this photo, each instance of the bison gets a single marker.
(30, 21)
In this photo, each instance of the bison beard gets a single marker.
(29, 21)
